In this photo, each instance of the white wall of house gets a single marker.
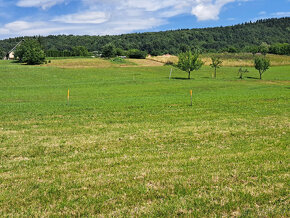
(11, 55)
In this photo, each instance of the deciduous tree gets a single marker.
(30, 52)
(189, 61)
(261, 64)
(216, 63)
(241, 72)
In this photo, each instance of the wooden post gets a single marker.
(190, 97)
(68, 96)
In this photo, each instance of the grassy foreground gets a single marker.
(129, 144)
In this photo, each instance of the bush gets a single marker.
(30, 52)
(109, 51)
(120, 52)
(169, 63)
(232, 50)
(156, 53)
(118, 60)
(135, 53)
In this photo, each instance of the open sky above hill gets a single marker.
(107, 17)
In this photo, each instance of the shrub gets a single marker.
(109, 51)
(170, 63)
(120, 52)
(118, 60)
(156, 53)
(135, 53)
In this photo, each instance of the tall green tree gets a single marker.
(30, 52)
(80, 51)
(109, 51)
(189, 61)
(261, 64)
(216, 63)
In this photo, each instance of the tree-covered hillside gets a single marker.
(232, 38)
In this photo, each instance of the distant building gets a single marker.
(10, 55)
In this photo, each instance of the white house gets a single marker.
(10, 54)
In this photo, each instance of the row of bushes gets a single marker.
(110, 51)
(76, 51)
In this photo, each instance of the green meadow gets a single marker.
(128, 143)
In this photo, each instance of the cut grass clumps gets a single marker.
(128, 144)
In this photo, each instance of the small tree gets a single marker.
(30, 52)
(261, 64)
(241, 72)
(216, 63)
(189, 61)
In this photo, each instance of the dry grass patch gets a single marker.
(81, 63)
(229, 60)
(146, 63)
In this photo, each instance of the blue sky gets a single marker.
(107, 17)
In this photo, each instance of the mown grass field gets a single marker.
(129, 144)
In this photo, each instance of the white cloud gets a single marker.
(209, 10)
(282, 14)
(44, 4)
(87, 17)
(22, 25)
(101, 17)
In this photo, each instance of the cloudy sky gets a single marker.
(102, 17)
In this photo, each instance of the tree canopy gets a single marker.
(189, 61)
(30, 52)
(261, 64)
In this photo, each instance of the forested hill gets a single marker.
(238, 37)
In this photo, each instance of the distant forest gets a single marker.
(237, 38)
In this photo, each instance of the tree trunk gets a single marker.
(260, 74)
(188, 74)
(214, 72)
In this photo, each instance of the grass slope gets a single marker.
(128, 144)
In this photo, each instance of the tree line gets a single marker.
(246, 37)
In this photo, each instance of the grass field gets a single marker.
(129, 144)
